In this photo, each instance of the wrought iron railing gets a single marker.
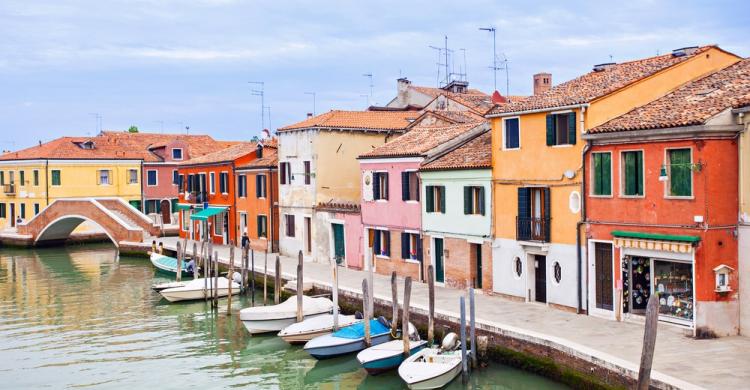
(533, 229)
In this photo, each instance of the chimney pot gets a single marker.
(309, 115)
(542, 83)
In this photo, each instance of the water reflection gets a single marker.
(82, 317)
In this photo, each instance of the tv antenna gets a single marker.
(313, 95)
(443, 53)
(495, 66)
(369, 75)
(260, 92)
(97, 121)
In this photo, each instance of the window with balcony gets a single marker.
(533, 220)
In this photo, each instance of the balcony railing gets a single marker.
(9, 189)
(532, 229)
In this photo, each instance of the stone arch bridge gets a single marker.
(119, 221)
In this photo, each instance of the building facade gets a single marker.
(539, 249)
(257, 203)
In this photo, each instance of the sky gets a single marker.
(164, 65)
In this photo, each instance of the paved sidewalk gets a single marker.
(681, 361)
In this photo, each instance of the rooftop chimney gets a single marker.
(542, 83)
(259, 150)
(309, 114)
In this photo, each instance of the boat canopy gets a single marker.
(204, 214)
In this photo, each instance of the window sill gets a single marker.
(510, 149)
(412, 261)
(679, 197)
(381, 200)
(382, 257)
(563, 146)
(633, 196)
(600, 196)
(412, 201)
(152, 185)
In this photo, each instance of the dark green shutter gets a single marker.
(524, 209)
(633, 173)
(430, 194)
(404, 245)
(680, 180)
(387, 245)
(376, 242)
(547, 214)
(572, 128)
(376, 185)
(404, 185)
(419, 248)
(607, 174)
(385, 186)
(550, 129)
(258, 229)
(481, 200)
(639, 172)
(467, 200)
(442, 199)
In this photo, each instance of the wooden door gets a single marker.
(439, 269)
(166, 213)
(540, 278)
(477, 251)
(308, 234)
(12, 214)
(338, 242)
(603, 261)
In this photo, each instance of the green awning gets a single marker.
(182, 206)
(655, 236)
(203, 215)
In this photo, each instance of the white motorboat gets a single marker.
(164, 286)
(433, 368)
(196, 289)
(302, 332)
(389, 355)
(263, 319)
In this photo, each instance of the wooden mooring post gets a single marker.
(195, 260)
(394, 297)
(335, 295)
(431, 302)
(366, 311)
(180, 257)
(300, 286)
(230, 275)
(206, 255)
(472, 329)
(216, 279)
(252, 279)
(265, 277)
(405, 317)
(649, 342)
(277, 282)
(462, 331)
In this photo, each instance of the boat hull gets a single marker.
(421, 375)
(272, 325)
(388, 360)
(307, 330)
(191, 295)
(354, 345)
(168, 265)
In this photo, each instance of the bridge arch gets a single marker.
(61, 228)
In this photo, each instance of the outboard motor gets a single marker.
(450, 342)
(413, 333)
(385, 322)
(358, 315)
(237, 277)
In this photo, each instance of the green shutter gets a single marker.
(467, 200)
(550, 129)
(481, 200)
(442, 199)
(572, 128)
(633, 173)
(602, 174)
(430, 194)
(680, 180)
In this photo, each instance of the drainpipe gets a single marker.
(46, 180)
(579, 252)
(269, 189)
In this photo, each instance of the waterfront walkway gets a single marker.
(679, 361)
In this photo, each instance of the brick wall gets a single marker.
(460, 263)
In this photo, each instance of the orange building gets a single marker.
(662, 205)
(207, 200)
(257, 199)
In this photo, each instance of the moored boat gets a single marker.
(302, 332)
(196, 289)
(348, 340)
(164, 286)
(167, 264)
(433, 368)
(389, 355)
(263, 319)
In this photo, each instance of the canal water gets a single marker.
(84, 317)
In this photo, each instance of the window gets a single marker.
(2, 178)
(289, 222)
(36, 208)
(632, 173)
(3, 211)
(132, 176)
(242, 186)
(219, 224)
(185, 220)
(191, 183)
(181, 183)
(23, 210)
(381, 245)
(153, 206)
(286, 173)
(262, 226)
(21, 178)
(512, 136)
(474, 200)
(36, 177)
(104, 178)
(557, 272)
(518, 266)
(561, 129)
(151, 178)
(409, 186)
(176, 154)
(380, 185)
(260, 186)
(680, 172)
(175, 177)
(602, 174)
(55, 177)
(307, 172)
(212, 182)
(435, 199)
(411, 246)
(224, 182)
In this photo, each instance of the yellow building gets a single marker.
(539, 249)
(67, 167)
(744, 221)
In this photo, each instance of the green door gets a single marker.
(478, 256)
(338, 242)
(439, 272)
(136, 204)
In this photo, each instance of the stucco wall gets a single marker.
(296, 198)
(454, 221)
(393, 212)
(164, 188)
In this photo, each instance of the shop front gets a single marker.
(658, 264)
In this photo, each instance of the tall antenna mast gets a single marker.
(260, 93)
(97, 121)
(494, 52)
(447, 74)
(369, 75)
(313, 95)
(443, 53)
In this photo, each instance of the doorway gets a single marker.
(476, 256)
(12, 214)
(604, 283)
(166, 212)
(339, 249)
(308, 235)
(437, 249)
(540, 278)
(636, 278)
(243, 224)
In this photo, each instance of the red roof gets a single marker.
(358, 120)
(475, 154)
(420, 140)
(691, 104)
(224, 155)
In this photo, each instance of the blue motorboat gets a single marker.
(168, 264)
(348, 340)
(387, 356)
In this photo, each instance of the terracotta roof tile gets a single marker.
(270, 159)
(474, 99)
(420, 140)
(475, 154)
(454, 116)
(595, 84)
(340, 206)
(691, 104)
(224, 155)
(115, 145)
(364, 120)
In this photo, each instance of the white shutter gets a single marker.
(367, 184)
